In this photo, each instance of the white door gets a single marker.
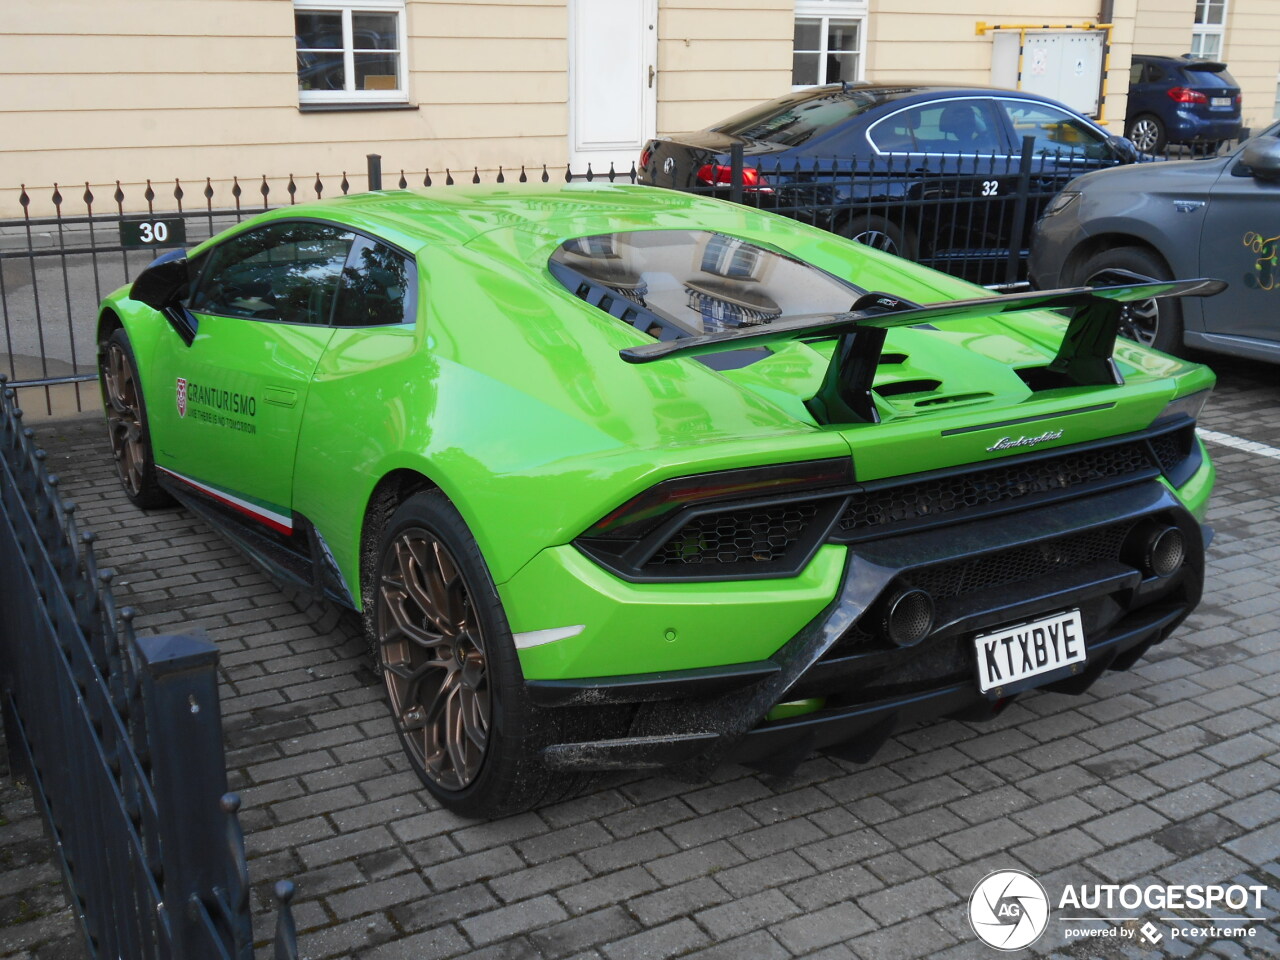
(613, 60)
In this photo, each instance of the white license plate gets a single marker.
(1220, 102)
(1015, 653)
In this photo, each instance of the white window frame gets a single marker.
(825, 11)
(352, 96)
(1202, 32)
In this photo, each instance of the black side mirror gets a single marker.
(1123, 148)
(164, 282)
(1262, 157)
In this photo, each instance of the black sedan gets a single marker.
(924, 171)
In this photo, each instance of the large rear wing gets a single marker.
(1083, 359)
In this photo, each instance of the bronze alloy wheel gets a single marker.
(432, 651)
(124, 417)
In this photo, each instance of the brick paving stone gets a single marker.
(835, 924)
(746, 914)
(832, 886)
(506, 922)
(540, 879)
(920, 937)
(377, 896)
(905, 901)
(1125, 825)
(572, 936)
(753, 946)
(698, 861)
(760, 874)
(611, 888)
(669, 940)
(711, 826)
(679, 900)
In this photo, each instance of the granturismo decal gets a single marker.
(227, 401)
(1008, 443)
(215, 406)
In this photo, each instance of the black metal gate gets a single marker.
(120, 737)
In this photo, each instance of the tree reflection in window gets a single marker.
(284, 272)
(378, 287)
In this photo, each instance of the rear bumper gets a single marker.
(1187, 127)
(689, 722)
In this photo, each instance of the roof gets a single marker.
(459, 214)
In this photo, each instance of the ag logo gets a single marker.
(668, 165)
(182, 397)
(1008, 910)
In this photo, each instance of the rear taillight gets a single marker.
(721, 175)
(1187, 95)
(645, 511)
(759, 522)
(645, 154)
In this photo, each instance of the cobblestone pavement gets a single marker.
(1165, 774)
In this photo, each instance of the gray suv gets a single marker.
(1215, 217)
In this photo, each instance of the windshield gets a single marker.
(795, 119)
(684, 283)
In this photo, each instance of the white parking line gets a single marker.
(1248, 446)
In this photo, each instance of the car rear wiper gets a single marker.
(1083, 359)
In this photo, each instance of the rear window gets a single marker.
(672, 284)
(791, 121)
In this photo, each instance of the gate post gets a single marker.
(178, 675)
(1018, 229)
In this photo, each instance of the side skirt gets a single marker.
(300, 560)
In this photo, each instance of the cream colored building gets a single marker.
(103, 90)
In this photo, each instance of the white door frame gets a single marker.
(633, 85)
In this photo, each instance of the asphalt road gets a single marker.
(1167, 774)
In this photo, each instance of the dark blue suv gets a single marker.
(1180, 100)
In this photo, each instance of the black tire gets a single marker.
(453, 679)
(882, 234)
(1153, 323)
(1147, 133)
(127, 422)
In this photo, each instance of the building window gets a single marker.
(1206, 38)
(830, 36)
(350, 51)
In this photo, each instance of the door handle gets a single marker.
(651, 73)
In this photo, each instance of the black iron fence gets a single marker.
(967, 216)
(120, 737)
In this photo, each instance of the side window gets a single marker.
(284, 272)
(955, 126)
(379, 287)
(1056, 132)
(1135, 72)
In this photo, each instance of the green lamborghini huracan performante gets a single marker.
(622, 478)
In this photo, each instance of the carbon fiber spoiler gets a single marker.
(1083, 359)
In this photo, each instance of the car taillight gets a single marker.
(758, 522)
(643, 512)
(645, 154)
(721, 175)
(1186, 95)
